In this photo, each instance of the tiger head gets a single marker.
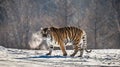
(45, 32)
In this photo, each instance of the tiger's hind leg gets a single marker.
(81, 52)
(82, 45)
(75, 47)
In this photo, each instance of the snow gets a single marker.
(37, 58)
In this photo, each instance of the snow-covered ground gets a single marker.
(37, 58)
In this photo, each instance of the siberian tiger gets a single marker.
(62, 36)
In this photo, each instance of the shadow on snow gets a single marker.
(45, 56)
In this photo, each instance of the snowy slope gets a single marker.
(37, 58)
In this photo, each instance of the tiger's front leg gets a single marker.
(50, 50)
(62, 46)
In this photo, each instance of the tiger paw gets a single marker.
(48, 54)
(72, 55)
(80, 56)
(64, 54)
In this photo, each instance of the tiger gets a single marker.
(61, 36)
